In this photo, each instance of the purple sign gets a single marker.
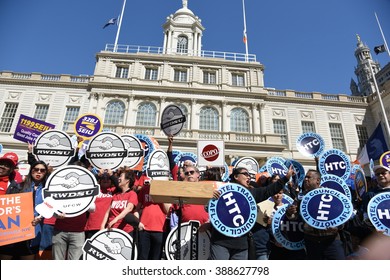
(88, 126)
(28, 129)
(385, 159)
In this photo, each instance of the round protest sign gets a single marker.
(235, 212)
(360, 183)
(379, 212)
(335, 162)
(385, 159)
(310, 144)
(276, 165)
(183, 156)
(87, 126)
(158, 165)
(336, 183)
(54, 147)
(288, 233)
(74, 189)
(172, 120)
(149, 144)
(250, 164)
(285, 199)
(194, 245)
(112, 244)
(299, 171)
(134, 149)
(323, 208)
(106, 151)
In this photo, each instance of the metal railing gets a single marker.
(173, 51)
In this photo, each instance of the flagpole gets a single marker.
(379, 98)
(383, 36)
(245, 37)
(119, 26)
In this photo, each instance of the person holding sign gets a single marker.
(320, 244)
(225, 247)
(382, 175)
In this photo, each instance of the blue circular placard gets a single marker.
(310, 144)
(88, 126)
(335, 162)
(276, 165)
(235, 212)
(379, 212)
(336, 183)
(323, 208)
(287, 232)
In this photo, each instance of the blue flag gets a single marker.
(376, 145)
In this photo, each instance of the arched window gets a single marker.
(182, 44)
(146, 114)
(239, 120)
(208, 119)
(115, 112)
(185, 112)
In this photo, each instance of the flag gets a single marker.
(110, 22)
(374, 148)
(244, 39)
(379, 49)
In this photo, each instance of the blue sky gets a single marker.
(305, 45)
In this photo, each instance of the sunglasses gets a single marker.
(245, 174)
(42, 170)
(189, 172)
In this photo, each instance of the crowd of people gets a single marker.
(124, 202)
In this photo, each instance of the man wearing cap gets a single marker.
(382, 175)
(7, 174)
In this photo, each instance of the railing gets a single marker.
(159, 50)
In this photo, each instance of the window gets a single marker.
(308, 127)
(209, 77)
(41, 112)
(122, 72)
(362, 135)
(8, 116)
(185, 112)
(115, 112)
(180, 75)
(146, 115)
(70, 117)
(151, 73)
(280, 127)
(336, 133)
(208, 119)
(238, 80)
(239, 120)
(182, 44)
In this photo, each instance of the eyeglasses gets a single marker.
(245, 174)
(381, 173)
(4, 166)
(42, 170)
(189, 172)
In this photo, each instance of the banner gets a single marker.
(376, 145)
(28, 129)
(16, 215)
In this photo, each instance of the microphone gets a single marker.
(131, 220)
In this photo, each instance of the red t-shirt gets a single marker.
(95, 219)
(73, 224)
(118, 204)
(152, 217)
(193, 212)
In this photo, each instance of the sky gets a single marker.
(304, 45)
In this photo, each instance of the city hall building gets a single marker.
(222, 94)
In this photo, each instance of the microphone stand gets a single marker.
(178, 240)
